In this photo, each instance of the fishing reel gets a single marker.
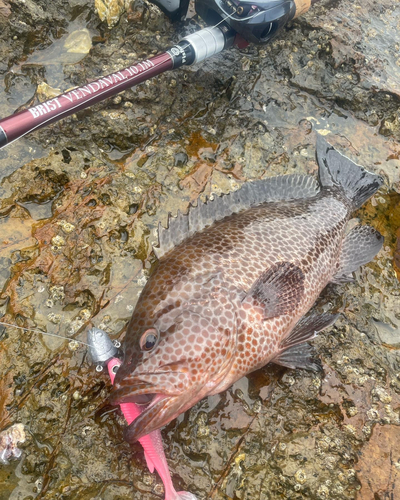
(256, 21)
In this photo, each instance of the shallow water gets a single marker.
(80, 203)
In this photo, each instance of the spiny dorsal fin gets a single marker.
(251, 194)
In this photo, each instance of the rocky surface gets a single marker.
(79, 204)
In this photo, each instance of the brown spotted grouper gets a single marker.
(235, 279)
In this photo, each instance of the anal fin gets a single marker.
(294, 352)
(360, 246)
(299, 356)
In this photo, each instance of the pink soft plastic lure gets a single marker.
(152, 445)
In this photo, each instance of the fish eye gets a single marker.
(149, 339)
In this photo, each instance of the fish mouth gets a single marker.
(159, 405)
(159, 412)
(143, 393)
(142, 399)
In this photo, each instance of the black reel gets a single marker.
(257, 21)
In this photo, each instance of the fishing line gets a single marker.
(240, 19)
(44, 333)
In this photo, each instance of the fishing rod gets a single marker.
(232, 21)
(193, 48)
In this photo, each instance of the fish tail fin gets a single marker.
(336, 169)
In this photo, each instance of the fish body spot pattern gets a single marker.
(236, 279)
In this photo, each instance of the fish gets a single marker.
(235, 283)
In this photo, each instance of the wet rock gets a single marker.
(378, 468)
(110, 10)
(31, 11)
(15, 234)
(78, 42)
(99, 182)
(5, 9)
(9, 440)
(39, 182)
(397, 255)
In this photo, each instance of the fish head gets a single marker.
(174, 363)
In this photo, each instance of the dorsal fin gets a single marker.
(251, 194)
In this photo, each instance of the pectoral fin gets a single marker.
(359, 247)
(278, 290)
(294, 352)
